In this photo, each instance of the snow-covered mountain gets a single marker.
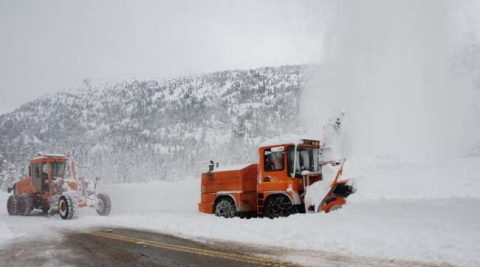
(139, 129)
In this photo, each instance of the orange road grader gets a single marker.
(48, 190)
(275, 187)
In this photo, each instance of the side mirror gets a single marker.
(29, 171)
(10, 189)
(97, 179)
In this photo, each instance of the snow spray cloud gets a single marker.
(388, 63)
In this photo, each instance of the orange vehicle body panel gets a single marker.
(45, 159)
(244, 179)
(206, 204)
(239, 184)
(24, 186)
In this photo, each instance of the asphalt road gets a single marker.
(126, 247)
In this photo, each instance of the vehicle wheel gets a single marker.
(27, 204)
(66, 207)
(12, 205)
(104, 205)
(280, 206)
(225, 208)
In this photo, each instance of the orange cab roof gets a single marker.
(48, 157)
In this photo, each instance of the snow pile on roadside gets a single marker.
(379, 178)
(180, 196)
(376, 178)
(383, 178)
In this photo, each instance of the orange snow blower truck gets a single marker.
(274, 187)
(48, 190)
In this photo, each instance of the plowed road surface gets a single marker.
(128, 247)
(125, 247)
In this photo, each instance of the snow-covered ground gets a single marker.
(423, 211)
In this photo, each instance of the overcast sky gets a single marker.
(46, 46)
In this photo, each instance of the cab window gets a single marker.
(273, 159)
(40, 177)
(306, 160)
(58, 169)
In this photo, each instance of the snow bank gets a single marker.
(376, 178)
(392, 178)
(384, 178)
(180, 196)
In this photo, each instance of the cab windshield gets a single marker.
(306, 160)
(58, 169)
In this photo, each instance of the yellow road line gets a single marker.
(204, 252)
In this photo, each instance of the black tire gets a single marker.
(12, 205)
(225, 208)
(27, 204)
(280, 206)
(21, 205)
(66, 207)
(104, 205)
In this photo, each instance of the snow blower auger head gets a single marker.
(47, 189)
(331, 192)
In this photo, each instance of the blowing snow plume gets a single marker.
(389, 64)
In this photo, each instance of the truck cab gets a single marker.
(280, 172)
(43, 171)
